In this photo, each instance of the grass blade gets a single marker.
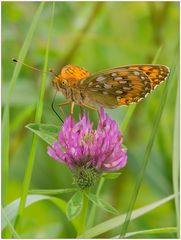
(6, 117)
(127, 117)
(118, 220)
(5, 153)
(125, 123)
(175, 169)
(147, 153)
(39, 110)
(157, 55)
(9, 224)
(153, 231)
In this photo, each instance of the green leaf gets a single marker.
(11, 210)
(8, 222)
(101, 203)
(52, 191)
(119, 220)
(47, 231)
(111, 175)
(152, 231)
(47, 132)
(74, 205)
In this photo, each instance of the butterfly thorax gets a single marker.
(66, 82)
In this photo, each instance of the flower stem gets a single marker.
(83, 215)
(92, 214)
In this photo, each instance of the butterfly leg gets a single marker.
(72, 108)
(90, 107)
(63, 104)
(81, 110)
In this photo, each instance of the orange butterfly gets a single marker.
(109, 88)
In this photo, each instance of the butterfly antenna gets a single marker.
(27, 65)
(52, 106)
(50, 70)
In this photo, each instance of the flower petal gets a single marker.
(80, 145)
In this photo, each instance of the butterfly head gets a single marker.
(69, 76)
(60, 83)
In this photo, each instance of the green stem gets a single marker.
(27, 178)
(94, 207)
(83, 216)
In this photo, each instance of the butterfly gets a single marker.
(109, 88)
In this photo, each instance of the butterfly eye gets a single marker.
(64, 82)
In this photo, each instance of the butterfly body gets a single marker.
(109, 88)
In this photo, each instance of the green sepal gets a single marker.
(102, 204)
(111, 175)
(74, 205)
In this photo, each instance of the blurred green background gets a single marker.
(95, 36)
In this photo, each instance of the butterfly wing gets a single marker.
(156, 73)
(113, 87)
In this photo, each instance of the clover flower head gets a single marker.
(88, 152)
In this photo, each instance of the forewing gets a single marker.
(113, 87)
